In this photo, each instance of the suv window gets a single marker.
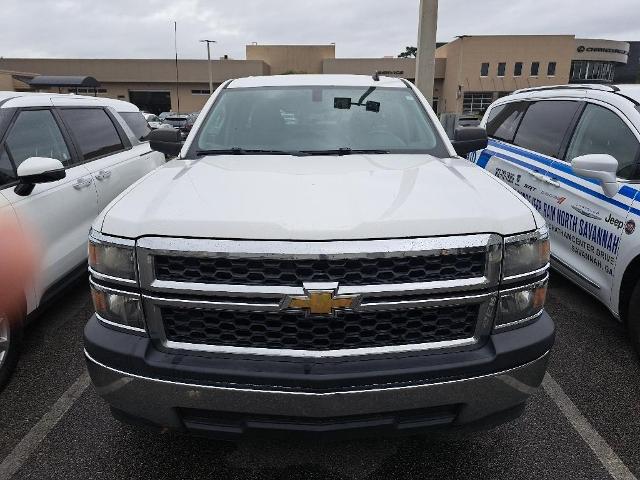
(93, 131)
(602, 131)
(7, 173)
(137, 123)
(504, 120)
(35, 133)
(545, 125)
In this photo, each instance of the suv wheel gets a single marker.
(10, 339)
(634, 317)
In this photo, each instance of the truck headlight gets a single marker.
(112, 257)
(519, 306)
(123, 309)
(525, 254)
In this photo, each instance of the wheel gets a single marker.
(10, 340)
(634, 317)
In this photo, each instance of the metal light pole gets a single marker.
(425, 58)
(208, 42)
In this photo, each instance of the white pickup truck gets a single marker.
(318, 259)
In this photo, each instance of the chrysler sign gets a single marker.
(582, 49)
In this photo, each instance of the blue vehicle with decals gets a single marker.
(573, 151)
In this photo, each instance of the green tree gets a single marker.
(409, 52)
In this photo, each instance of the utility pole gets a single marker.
(175, 46)
(426, 56)
(208, 42)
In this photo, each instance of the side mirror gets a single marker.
(166, 140)
(469, 139)
(601, 167)
(36, 170)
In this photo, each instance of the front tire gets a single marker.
(634, 317)
(10, 340)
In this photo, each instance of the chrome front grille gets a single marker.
(298, 331)
(222, 296)
(294, 272)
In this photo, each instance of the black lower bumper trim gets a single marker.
(139, 356)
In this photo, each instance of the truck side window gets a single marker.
(504, 120)
(35, 133)
(545, 125)
(93, 130)
(602, 131)
(7, 173)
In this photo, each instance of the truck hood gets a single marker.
(317, 198)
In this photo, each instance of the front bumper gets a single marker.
(231, 396)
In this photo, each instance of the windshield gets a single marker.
(317, 119)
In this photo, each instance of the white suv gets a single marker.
(63, 158)
(574, 152)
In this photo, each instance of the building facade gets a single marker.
(470, 72)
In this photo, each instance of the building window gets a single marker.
(517, 69)
(502, 68)
(535, 69)
(551, 69)
(591, 71)
(205, 91)
(476, 102)
(484, 70)
(435, 103)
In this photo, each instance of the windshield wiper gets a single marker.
(242, 151)
(345, 151)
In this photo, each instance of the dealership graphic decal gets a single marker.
(587, 212)
(592, 242)
(506, 175)
(558, 199)
(630, 227)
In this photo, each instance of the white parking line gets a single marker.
(29, 443)
(611, 462)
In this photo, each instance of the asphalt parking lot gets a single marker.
(584, 423)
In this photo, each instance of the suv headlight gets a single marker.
(112, 257)
(525, 254)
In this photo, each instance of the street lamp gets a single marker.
(208, 42)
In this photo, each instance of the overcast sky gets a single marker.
(360, 28)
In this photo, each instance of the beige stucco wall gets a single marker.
(465, 56)
(390, 67)
(119, 76)
(138, 70)
(291, 58)
(457, 67)
(6, 81)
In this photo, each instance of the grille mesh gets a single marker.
(294, 330)
(293, 272)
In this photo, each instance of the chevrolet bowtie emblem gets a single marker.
(321, 301)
